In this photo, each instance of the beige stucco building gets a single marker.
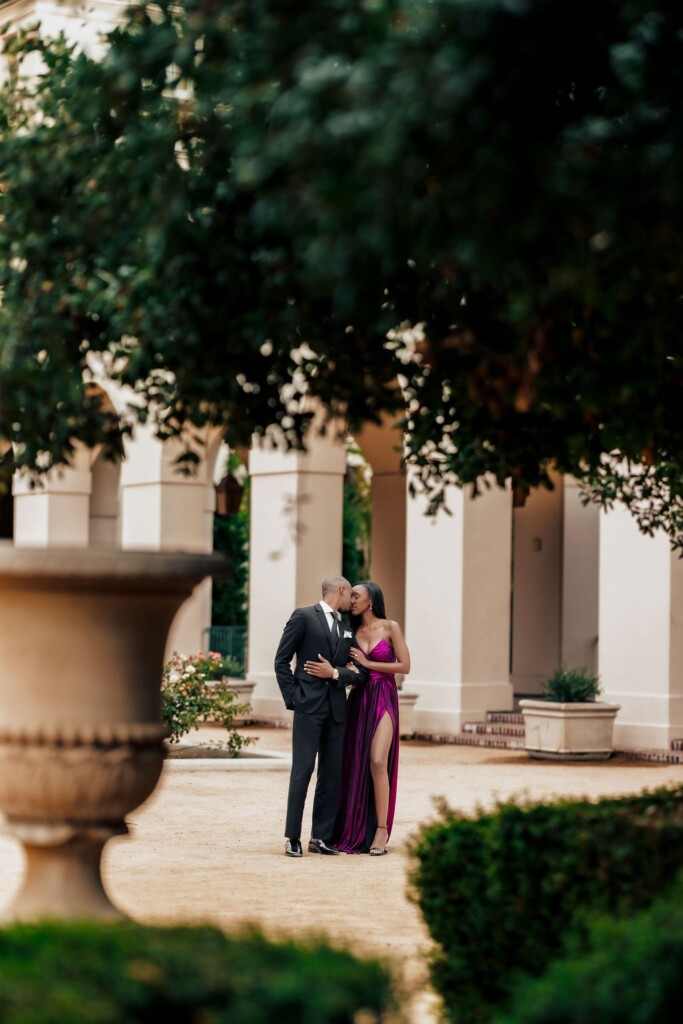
(492, 599)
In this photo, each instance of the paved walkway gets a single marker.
(208, 846)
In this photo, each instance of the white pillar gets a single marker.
(55, 511)
(295, 541)
(641, 632)
(458, 609)
(163, 510)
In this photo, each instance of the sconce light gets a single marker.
(228, 495)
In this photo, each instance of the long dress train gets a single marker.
(367, 704)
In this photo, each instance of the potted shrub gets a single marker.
(568, 723)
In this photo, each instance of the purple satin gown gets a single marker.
(368, 702)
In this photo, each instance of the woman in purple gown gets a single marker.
(370, 761)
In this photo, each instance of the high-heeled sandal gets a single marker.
(376, 851)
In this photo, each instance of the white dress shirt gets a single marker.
(332, 618)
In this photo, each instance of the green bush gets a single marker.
(503, 893)
(89, 973)
(571, 686)
(631, 974)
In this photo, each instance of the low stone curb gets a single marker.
(265, 760)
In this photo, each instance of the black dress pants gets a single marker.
(315, 735)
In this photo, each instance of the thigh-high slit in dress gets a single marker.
(368, 703)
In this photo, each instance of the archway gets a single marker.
(381, 445)
(104, 522)
(554, 585)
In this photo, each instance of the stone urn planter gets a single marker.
(563, 731)
(81, 741)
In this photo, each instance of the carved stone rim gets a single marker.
(83, 567)
(96, 735)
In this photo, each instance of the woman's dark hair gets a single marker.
(376, 600)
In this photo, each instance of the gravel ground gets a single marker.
(208, 846)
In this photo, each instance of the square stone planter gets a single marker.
(406, 705)
(243, 690)
(568, 732)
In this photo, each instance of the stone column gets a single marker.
(640, 657)
(458, 609)
(295, 541)
(55, 511)
(163, 510)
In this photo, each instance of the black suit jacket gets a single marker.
(306, 635)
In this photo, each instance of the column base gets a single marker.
(636, 736)
(646, 721)
(266, 700)
(445, 707)
(438, 722)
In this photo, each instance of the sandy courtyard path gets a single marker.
(208, 846)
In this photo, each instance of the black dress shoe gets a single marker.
(293, 848)
(318, 846)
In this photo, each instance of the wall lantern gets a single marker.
(228, 496)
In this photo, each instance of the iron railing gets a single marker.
(231, 642)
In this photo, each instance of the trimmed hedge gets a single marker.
(90, 973)
(632, 974)
(504, 893)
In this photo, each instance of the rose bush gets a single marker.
(194, 690)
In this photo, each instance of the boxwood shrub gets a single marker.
(90, 973)
(503, 893)
(632, 973)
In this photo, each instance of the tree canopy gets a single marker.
(247, 202)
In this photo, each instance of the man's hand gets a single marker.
(321, 668)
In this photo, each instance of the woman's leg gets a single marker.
(379, 760)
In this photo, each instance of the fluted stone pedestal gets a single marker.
(81, 741)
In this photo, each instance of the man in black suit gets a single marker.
(316, 692)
